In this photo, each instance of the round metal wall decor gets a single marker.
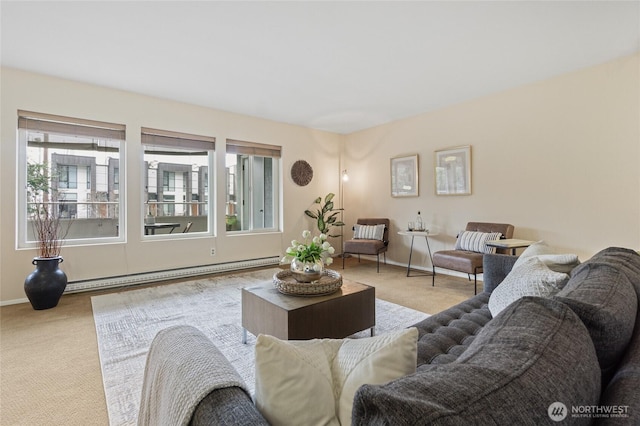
(301, 172)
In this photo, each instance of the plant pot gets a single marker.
(45, 285)
(306, 272)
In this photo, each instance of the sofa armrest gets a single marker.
(184, 373)
(227, 407)
(495, 268)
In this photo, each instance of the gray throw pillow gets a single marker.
(535, 353)
(531, 278)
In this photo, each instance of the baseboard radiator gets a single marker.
(148, 277)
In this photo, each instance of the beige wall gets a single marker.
(559, 159)
(22, 90)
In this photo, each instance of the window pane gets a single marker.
(176, 189)
(252, 192)
(69, 174)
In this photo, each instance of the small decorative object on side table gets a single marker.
(419, 224)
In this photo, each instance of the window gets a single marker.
(176, 181)
(252, 176)
(68, 207)
(116, 178)
(169, 181)
(87, 172)
(67, 177)
(65, 161)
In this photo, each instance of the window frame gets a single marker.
(69, 126)
(179, 140)
(246, 152)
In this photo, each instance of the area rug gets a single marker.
(126, 323)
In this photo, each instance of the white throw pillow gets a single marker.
(313, 382)
(560, 262)
(477, 241)
(535, 249)
(556, 262)
(531, 278)
(368, 232)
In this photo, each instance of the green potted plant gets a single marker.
(325, 215)
(45, 285)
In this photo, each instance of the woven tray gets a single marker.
(330, 282)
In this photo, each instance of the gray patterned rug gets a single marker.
(127, 322)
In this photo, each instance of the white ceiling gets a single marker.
(336, 66)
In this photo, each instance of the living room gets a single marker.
(556, 155)
(557, 158)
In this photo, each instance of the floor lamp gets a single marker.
(345, 178)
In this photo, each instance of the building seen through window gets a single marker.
(176, 190)
(252, 176)
(71, 170)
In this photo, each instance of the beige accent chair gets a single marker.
(469, 262)
(371, 247)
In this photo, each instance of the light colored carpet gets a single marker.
(126, 323)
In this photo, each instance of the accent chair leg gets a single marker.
(475, 279)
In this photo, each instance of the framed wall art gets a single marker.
(453, 171)
(404, 176)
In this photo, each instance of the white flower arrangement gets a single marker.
(318, 249)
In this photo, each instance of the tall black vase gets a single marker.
(45, 285)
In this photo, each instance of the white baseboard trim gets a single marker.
(14, 302)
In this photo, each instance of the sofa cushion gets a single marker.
(536, 352)
(603, 297)
(476, 241)
(531, 278)
(364, 246)
(458, 260)
(368, 232)
(445, 335)
(313, 382)
(627, 260)
(622, 390)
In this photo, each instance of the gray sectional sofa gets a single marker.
(573, 358)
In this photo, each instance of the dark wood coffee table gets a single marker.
(350, 309)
